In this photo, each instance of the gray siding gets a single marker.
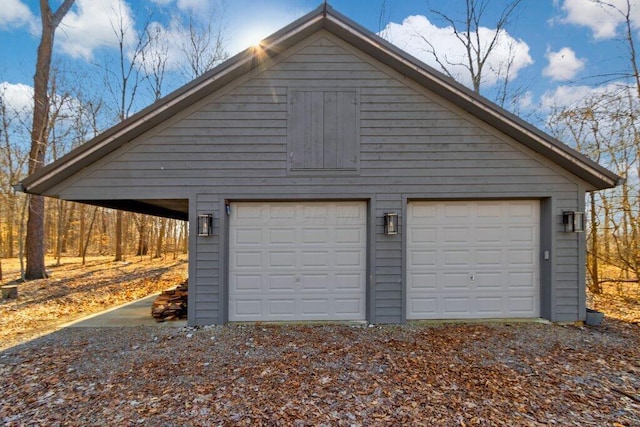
(413, 145)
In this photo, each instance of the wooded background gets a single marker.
(605, 126)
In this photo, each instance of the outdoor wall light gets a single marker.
(205, 225)
(573, 221)
(390, 223)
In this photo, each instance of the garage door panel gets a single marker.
(456, 258)
(455, 280)
(311, 256)
(489, 258)
(315, 282)
(490, 306)
(455, 235)
(280, 282)
(284, 307)
(523, 304)
(486, 235)
(312, 308)
(424, 308)
(316, 236)
(486, 267)
(348, 236)
(314, 258)
(522, 257)
(248, 283)
(456, 210)
(247, 237)
(424, 281)
(349, 282)
(488, 280)
(457, 306)
(247, 259)
(349, 258)
(248, 308)
(348, 307)
(423, 258)
(523, 234)
(280, 236)
(282, 259)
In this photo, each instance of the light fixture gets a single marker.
(573, 221)
(390, 223)
(205, 225)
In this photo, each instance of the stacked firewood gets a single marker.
(171, 304)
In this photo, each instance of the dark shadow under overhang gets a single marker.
(170, 208)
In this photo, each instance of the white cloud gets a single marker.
(94, 24)
(525, 102)
(412, 33)
(572, 96)
(563, 64)
(195, 6)
(15, 14)
(601, 19)
(17, 97)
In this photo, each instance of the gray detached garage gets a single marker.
(295, 153)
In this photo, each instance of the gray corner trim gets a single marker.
(224, 226)
(402, 225)
(193, 262)
(371, 260)
(547, 284)
(582, 262)
(553, 244)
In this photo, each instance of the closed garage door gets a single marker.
(472, 259)
(297, 261)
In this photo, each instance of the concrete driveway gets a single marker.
(136, 313)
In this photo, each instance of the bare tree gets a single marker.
(478, 49)
(39, 135)
(202, 44)
(123, 84)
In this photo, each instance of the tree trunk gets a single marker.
(11, 228)
(60, 230)
(143, 238)
(118, 231)
(88, 239)
(39, 136)
(35, 240)
(161, 234)
(81, 231)
(67, 226)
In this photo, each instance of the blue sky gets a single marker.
(563, 47)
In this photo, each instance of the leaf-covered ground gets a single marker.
(73, 291)
(303, 375)
(416, 374)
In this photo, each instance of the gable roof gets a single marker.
(324, 17)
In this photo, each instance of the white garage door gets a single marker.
(297, 261)
(473, 259)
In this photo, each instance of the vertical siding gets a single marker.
(233, 146)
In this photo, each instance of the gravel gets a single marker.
(418, 374)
